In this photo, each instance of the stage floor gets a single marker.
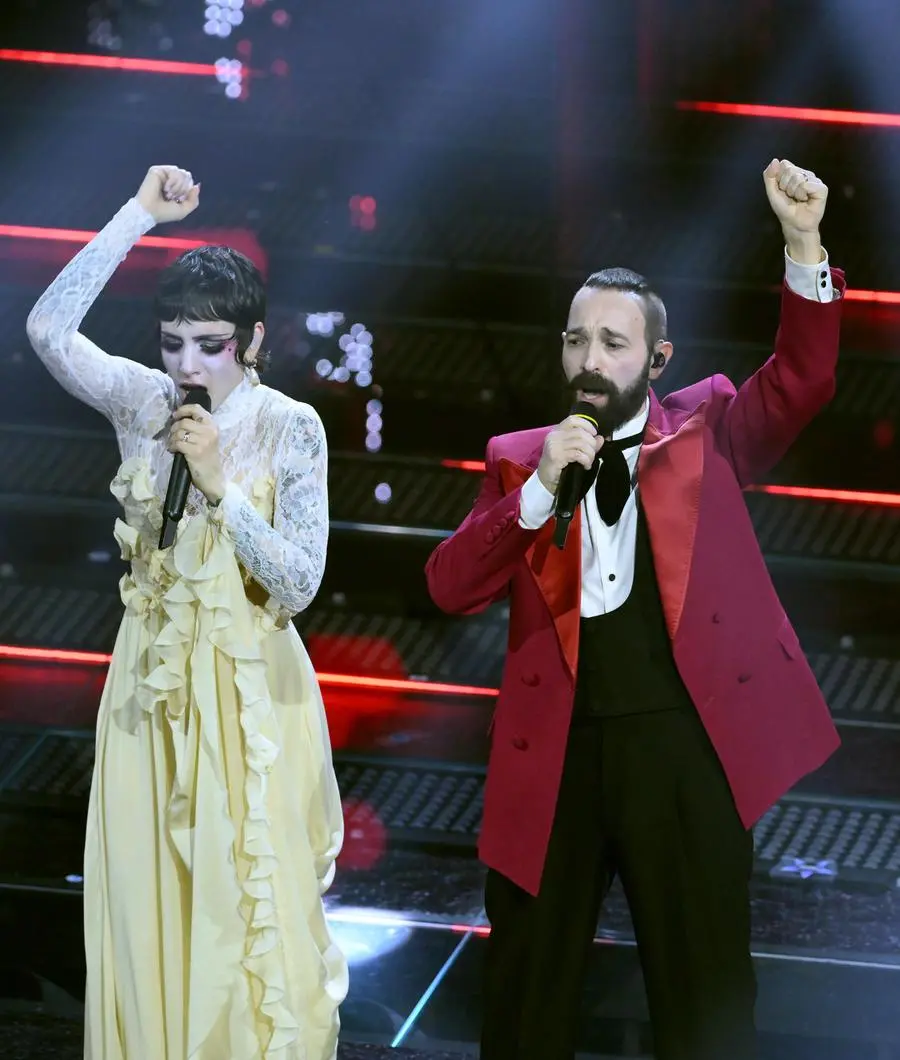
(406, 905)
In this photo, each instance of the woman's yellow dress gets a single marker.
(214, 818)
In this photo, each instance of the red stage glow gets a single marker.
(882, 297)
(814, 114)
(74, 235)
(813, 493)
(364, 683)
(107, 62)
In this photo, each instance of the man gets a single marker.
(655, 700)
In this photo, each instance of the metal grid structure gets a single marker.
(805, 838)
(861, 691)
(52, 617)
(294, 222)
(73, 468)
(439, 803)
(800, 528)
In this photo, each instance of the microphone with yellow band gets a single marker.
(574, 481)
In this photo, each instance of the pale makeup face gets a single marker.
(201, 353)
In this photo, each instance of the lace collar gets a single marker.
(236, 406)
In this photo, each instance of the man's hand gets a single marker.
(168, 194)
(572, 441)
(797, 198)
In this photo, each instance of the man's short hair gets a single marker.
(655, 321)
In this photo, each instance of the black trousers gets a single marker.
(643, 796)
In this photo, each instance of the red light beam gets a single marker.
(382, 684)
(107, 62)
(811, 114)
(75, 235)
(814, 493)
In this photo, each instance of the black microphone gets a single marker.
(180, 478)
(571, 486)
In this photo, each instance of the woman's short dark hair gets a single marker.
(214, 283)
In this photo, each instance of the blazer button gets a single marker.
(743, 678)
(520, 743)
(491, 537)
(532, 680)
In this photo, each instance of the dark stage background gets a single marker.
(425, 185)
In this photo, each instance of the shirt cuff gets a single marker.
(809, 281)
(535, 504)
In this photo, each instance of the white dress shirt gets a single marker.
(607, 552)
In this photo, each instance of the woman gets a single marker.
(214, 818)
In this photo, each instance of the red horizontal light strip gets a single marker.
(882, 297)
(88, 658)
(814, 493)
(75, 235)
(382, 684)
(813, 114)
(397, 684)
(107, 62)
(464, 465)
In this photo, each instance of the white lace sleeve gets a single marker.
(288, 558)
(115, 386)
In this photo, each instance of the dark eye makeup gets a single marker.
(171, 344)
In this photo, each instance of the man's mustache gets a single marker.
(590, 381)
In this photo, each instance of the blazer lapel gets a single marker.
(557, 572)
(670, 472)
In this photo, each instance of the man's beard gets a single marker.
(621, 405)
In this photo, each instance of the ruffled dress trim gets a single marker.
(189, 585)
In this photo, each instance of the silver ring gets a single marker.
(186, 436)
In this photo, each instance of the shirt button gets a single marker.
(612, 577)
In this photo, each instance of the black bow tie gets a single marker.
(612, 485)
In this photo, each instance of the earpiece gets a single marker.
(659, 360)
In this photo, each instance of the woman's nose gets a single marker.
(190, 363)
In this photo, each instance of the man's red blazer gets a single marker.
(733, 645)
